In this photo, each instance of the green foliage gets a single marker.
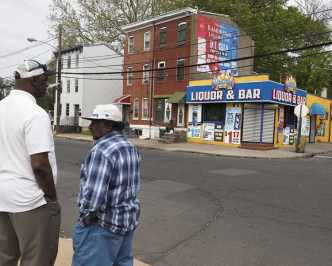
(5, 87)
(274, 25)
(95, 21)
(277, 27)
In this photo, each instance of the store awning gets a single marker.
(124, 99)
(317, 109)
(178, 97)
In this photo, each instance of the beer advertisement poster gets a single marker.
(195, 114)
(194, 132)
(233, 125)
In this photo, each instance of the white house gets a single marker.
(83, 87)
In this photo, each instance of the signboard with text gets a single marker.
(262, 91)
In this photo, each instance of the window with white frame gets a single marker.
(161, 72)
(69, 61)
(130, 76)
(147, 36)
(145, 108)
(76, 85)
(130, 44)
(68, 85)
(146, 73)
(67, 109)
(136, 106)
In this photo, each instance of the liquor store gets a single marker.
(241, 110)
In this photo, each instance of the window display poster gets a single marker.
(305, 127)
(233, 125)
(285, 138)
(289, 136)
(281, 121)
(194, 131)
(195, 114)
(219, 132)
(208, 131)
(321, 129)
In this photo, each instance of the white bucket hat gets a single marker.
(107, 112)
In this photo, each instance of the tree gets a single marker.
(276, 26)
(93, 21)
(5, 87)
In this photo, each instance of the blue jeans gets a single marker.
(95, 246)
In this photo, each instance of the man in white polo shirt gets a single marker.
(29, 209)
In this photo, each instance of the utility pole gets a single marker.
(58, 105)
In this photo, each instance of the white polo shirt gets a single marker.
(25, 129)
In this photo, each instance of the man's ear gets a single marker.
(108, 126)
(33, 81)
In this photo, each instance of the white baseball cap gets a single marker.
(31, 68)
(107, 112)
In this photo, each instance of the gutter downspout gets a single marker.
(152, 81)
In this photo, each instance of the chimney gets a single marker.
(323, 92)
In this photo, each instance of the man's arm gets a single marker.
(43, 174)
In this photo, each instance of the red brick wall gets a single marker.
(169, 53)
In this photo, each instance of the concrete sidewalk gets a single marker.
(288, 152)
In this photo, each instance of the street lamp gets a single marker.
(58, 92)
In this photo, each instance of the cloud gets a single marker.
(21, 19)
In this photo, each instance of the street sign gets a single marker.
(303, 112)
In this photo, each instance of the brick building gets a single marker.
(163, 53)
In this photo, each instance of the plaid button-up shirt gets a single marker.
(109, 183)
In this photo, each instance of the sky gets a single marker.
(20, 20)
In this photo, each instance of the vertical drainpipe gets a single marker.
(262, 126)
(152, 81)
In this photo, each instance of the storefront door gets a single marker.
(312, 129)
(252, 124)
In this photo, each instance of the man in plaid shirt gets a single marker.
(109, 183)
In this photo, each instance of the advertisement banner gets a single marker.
(208, 131)
(195, 114)
(194, 131)
(233, 125)
(216, 42)
(305, 127)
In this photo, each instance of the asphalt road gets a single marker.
(207, 210)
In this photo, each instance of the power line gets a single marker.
(197, 73)
(211, 63)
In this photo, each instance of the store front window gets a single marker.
(214, 112)
(290, 118)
